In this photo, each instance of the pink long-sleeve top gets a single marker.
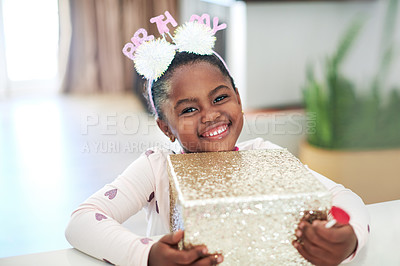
(95, 226)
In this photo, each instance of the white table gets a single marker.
(383, 247)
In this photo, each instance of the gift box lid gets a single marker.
(250, 175)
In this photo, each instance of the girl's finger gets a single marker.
(336, 234)
(188, 256)
(308, 256)
(317, 250)
(212, 259)
(309, 235)
(173, 238)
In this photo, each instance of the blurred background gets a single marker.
(72, 114)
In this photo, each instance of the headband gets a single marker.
(152, 57)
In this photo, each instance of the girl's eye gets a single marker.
(220, 98)
(188, 110)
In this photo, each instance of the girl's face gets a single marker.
(203, 112)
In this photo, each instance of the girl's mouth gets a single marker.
(217, 132)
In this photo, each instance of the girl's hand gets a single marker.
(165, 252)
(325, 246)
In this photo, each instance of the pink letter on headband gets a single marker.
(137, 40)
(217, 27)
(204, 19)
(162, 24)
(130, 48)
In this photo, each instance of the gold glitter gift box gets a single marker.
(244, 204)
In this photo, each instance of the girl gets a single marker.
(196, 102)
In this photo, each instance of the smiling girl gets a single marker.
(196, 103)
(202, 107)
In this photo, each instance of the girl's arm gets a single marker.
(353, 205)
(340, 243)
(95, 227)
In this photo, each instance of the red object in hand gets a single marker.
(339, 216)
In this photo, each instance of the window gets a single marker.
(31, 33)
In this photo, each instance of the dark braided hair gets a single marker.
(160, 88)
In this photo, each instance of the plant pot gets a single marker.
(372, 174)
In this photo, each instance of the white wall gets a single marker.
(3, 73)
(282, 38)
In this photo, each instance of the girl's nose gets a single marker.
(210, 116)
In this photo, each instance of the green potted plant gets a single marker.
(355, 134)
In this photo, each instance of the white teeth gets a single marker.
(217, 132)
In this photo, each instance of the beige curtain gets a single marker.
(92, 34)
